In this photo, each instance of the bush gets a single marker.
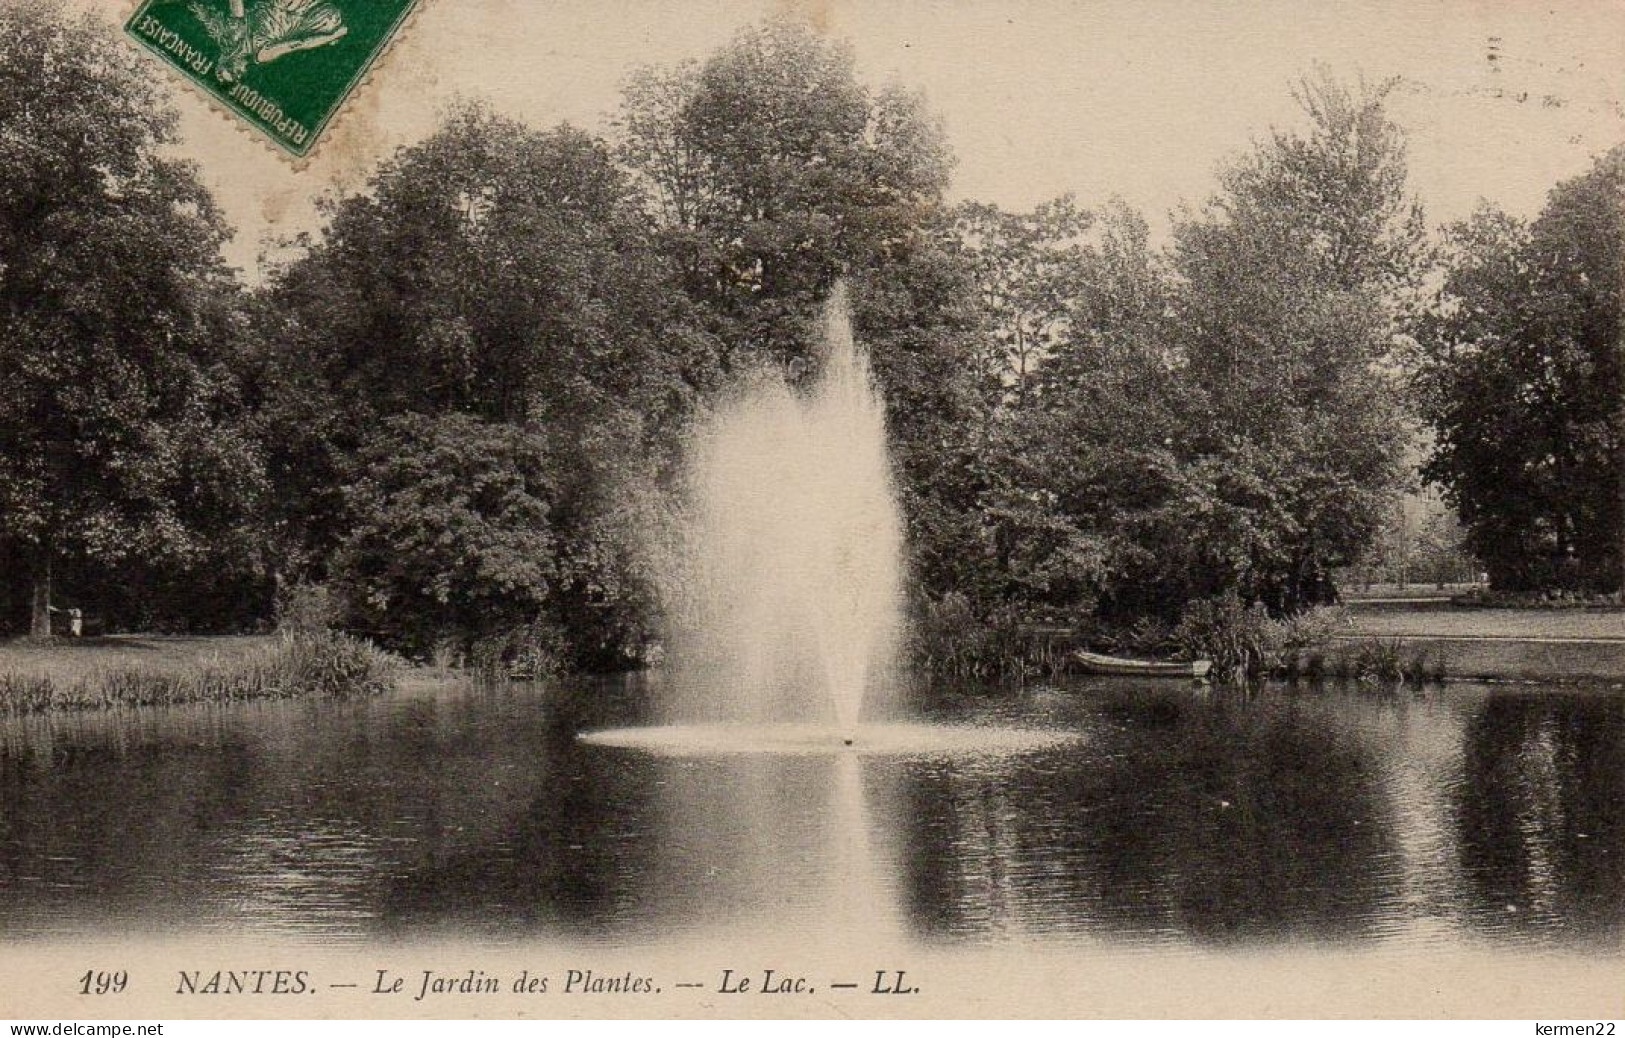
(452, 533)
(1239, 639)
(948, 640)
(1147, 636)
(1310, 630)
(1375, 661)
(1387, 661)
(306, 609)
(1245, 642)
(532, 651)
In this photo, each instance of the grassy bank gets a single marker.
(1514, 659)
(1506, 644)
(1523, 624)
(151, 671)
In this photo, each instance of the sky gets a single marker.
(1141, 100)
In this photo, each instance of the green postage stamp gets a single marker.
(283, 66)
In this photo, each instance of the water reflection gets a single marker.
(1174, 817)
(1541, 813)
(1212, 819)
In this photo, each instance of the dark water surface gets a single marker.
(1463, 816)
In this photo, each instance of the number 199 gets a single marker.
(102, 982)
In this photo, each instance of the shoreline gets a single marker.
(158, 670)
(1501, 644)
(1493, 659)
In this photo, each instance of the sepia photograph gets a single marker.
(881, 509)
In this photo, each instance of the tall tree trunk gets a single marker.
(40, 620)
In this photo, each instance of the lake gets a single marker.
(1459, 816)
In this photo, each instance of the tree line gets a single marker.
(453, 408)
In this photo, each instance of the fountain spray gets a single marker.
(786, 599)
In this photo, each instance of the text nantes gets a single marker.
(243, 982)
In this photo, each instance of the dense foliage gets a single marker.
(1523, 387)
(120, 434)
(1215, 418)
(773, 171)
(445, 414)
(463, 376)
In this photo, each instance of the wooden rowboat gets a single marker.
(1094, 663)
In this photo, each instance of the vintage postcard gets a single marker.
(862, 508)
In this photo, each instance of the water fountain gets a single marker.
(783, 579)
(786, 595)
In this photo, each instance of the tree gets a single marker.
(117, 437)
(1217, 417)
(1027, 269)
(773, 171)
(1522, 385)
(1295, 285)
(452, 538)
(491, 274)
(1070, 464)
(492, 270)
(1220, 417)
